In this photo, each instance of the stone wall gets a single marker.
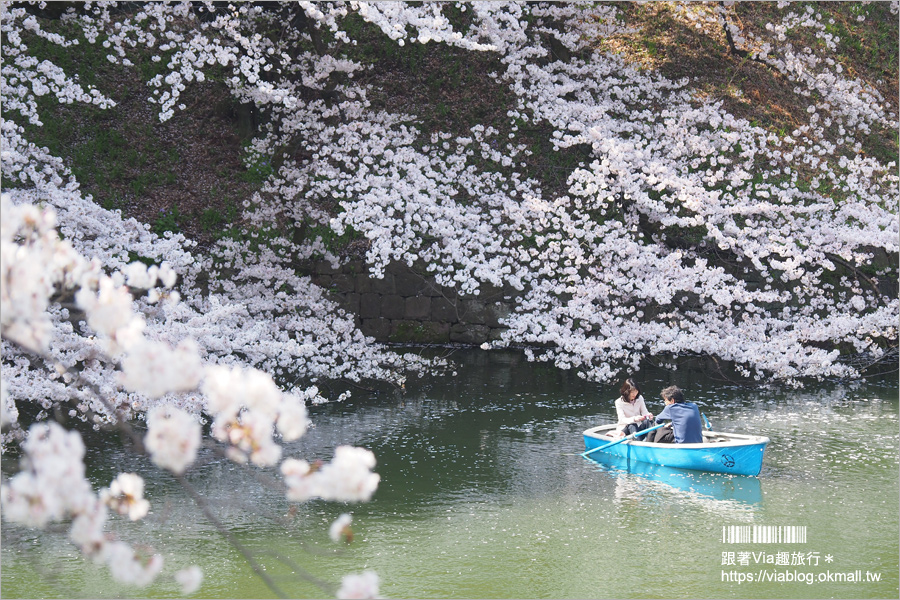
(408, 306)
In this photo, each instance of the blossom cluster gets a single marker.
(51, 487)
(25, 77)
(311, 341)
(347, 478)
(246, 405)
(364, 585)
(424, 200)
(690, 165)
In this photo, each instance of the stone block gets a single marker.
(431, 288)
(354, 267)
(364, 283)
(451, 293)
(349, 302)
(489, 292)
(419, 332)
(408, 284)
(496, 333)
(473, 311)
(393, 307)
(380, 329)
(369, 306)
(344, 283)
(323, 267)
(509, 293)
(396, 267)
(469, 334)
(443, 310)
(385, 285)
(495, 312)
(418, 308)
(323, 281)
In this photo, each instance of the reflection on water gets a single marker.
(633, 476)
(484, 494)
(729, 498)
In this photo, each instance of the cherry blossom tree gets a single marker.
(683, 230)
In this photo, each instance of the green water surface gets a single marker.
(483, 494)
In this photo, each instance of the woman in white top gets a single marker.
(631, 410)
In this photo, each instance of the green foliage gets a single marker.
(333, 242)
(111, 201)
(413, 332)
(111, 156)
(211, 220)
(259, 168)
(87, 62)
(214, 221)
(148, 68)
(135, 257)
(168, 220)
(461, 21)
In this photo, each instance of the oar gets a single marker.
(708, 424)
(624, 439)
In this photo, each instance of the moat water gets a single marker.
(484, 494)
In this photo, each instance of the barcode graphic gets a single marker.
(764, 534)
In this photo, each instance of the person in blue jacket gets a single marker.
(685, 426)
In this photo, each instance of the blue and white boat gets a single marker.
(730, 453)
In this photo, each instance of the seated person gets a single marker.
(631, 410)
(685, 426)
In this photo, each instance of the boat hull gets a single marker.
(735, 455)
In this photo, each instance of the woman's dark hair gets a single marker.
(628, 386)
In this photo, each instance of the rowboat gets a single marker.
(730, 453)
